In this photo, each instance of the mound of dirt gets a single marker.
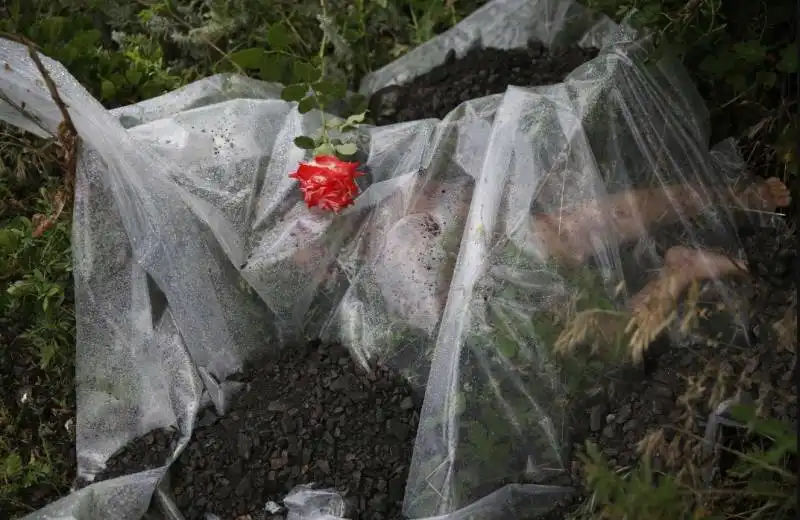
(481, 72)
(308, 416)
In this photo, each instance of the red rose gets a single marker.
(327, 182)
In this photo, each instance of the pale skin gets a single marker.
(629, 215)
(565, 237)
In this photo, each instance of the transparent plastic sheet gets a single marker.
(501, 24)
(595, 198)
(307, 503)
(191, 243)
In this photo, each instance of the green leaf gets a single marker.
(305, 142)
(294, 92)
(323, 87)
(323, 149)
(12, 466)
(356, 119)
(278, 37)
(8, 240)
(767, 78)
(330, 88)
(86, 40)
(249, 58)
(507, 347)
(716, 66)
(324, 100)
(738, 81)
(358, 103)
(273, 67)
(304, 71)
(346, 149)
(108, 90)
(49, 28)
(788, 60)
(307, 105)
(133, 76)
(751, 52)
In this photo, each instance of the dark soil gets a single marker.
(149, 451)
(481, 72)
(36, 414)
(308, 416)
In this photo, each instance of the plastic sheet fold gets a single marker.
(485, 249)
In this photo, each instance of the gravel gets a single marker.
(481, 72)
(147, 452)
(308, 416)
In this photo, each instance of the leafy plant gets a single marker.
(630, 494)
(762, 476)
(37, 331)
(743, 57)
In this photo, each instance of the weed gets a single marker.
(761, 478)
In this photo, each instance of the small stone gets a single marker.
(630, 425)
(339, 384)
(379, 503)
(399, 430)
(623, 414)
(597, 416)
(663, 392)
(324, 466)
(244, 486)
(358, 396)
(397, 488)
(245, 446)
(407, 403)
(277, 406)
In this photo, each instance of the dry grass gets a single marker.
(723, 374)
(631, 332)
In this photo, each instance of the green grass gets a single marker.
(124, 51)
(37, 334)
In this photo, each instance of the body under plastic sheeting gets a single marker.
(598, 204)
(472, 237)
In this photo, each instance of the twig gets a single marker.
(67, 139)
(741, 454)
(33, 52)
